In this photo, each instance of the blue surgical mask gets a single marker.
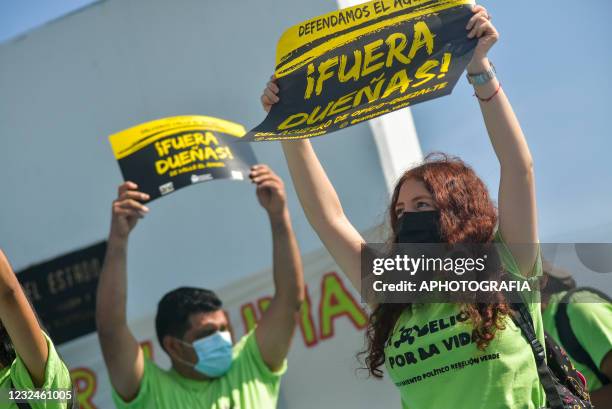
(214, 354)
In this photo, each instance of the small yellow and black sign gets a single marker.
(167, 154)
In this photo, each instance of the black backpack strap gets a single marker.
(20, 405)
(523, 320)
(568, 339)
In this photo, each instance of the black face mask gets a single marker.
(419, 227)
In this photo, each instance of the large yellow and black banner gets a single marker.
(167, 154)
(361, 62)
(63, 291)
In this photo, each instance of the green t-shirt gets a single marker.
(249, 384)
(590, 318)
(432, 360)
(57, 377)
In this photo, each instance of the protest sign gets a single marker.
(361, 62)
(167, 154)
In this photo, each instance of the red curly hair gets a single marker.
(467, 215)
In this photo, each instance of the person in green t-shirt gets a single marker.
(445, 355)
(207, 371)
(590, 320)
(28, 359)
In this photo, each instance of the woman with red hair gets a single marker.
(444, 201)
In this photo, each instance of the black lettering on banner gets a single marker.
(63, 291)
(361, 62)
(165, 155)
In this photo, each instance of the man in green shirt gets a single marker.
(590, 319)
(28, 360)
(207, 372)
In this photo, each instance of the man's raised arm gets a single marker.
(275, 329)
(122, 354)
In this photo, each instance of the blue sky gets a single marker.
(554, 61)
(17, 17)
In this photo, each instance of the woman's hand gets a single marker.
(480, 27)
(270, 94)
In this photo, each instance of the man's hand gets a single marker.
(270, 94)
(127, 209)
(270, 190)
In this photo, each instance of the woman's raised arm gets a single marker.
(320, 200)
(517, 198)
